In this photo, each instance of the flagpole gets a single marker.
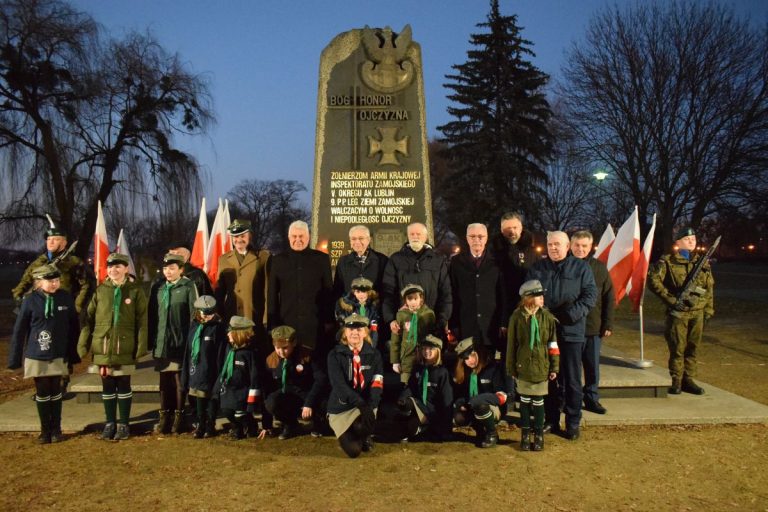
(642, 362)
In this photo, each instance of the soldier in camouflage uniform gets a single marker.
(685, 321)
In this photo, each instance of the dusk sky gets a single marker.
(261, 59)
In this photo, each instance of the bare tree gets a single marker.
(672, 98)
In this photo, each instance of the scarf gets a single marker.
(535, 337)
(413, 332)
(357, 371)
(117, 298)
(166, 298)
(49, 306)
(284, 375)
(362, 310)
(196, 343)
(229, 366)
(424, 385)
(472, 385)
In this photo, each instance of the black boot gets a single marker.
(44, 413)
(525, 439)
(201, 424)
(691, 387)
(178, 418)
(538, 440)
(45, 435)
(236, 432)
(675, 388)
(491, 439)
(210, 427)
(162, 426)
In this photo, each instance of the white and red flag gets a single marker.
(624, 254)
(100, 247)
(216, 245)
(227, 222)
(604, 246)
(200, 247)
(122, 248)
(636, 286)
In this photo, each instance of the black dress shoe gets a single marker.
(595, 407)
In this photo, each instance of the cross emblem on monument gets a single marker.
(388, 145)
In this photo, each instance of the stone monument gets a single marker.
(371, 164)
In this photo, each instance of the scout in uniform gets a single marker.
(115, 332)
(415, 320)
(294, 385)
(46, 332)
(355, 371)
(364, 301)
(685, 321)
(481, 396)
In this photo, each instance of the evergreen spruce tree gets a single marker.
(499, 142)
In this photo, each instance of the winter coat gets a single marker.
(439, 387)
(41, 338)
(202, 374)
(348, 304)
(600, 317)
(479, 298)
(532, 364)
(305, 377)
(490, 380)
(403, 351)
(241, 392)
(344, 395)
(199, 278)
(667, 276)
(169, 324)
(425, 268)
(515, 260)
(351, 266)
(74, 278)
(115, 344)
(571, 293)
(300, 294)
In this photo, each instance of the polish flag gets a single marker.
(100, 247)
(636, 286)
(624, 255)
(604, 246)
(122, 248)
(216, 245)
(227, 222)
(200, 247)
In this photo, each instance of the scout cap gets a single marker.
(46, 272)
(432, 341)
(532, 288)
(355, 320)
(116, 258)
(361, 283)
(171, 258)
(283, 333)
(240, 323)
(465, 347)
(684, 232)
(410, 288)
(206, 304)
(239, 226)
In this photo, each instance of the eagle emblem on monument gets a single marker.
(388, 69)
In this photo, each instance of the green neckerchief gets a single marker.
(472, 384)
(362, 309)
(229, 366)
(424, 385)
(49, 307)
(535, 337)
(117, 298)
(166, 298)
(196, 344)
(413, 333)
(284, 375)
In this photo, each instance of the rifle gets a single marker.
(690, 294)
(53, 262)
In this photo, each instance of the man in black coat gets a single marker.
(363, 261)
(300, 290)
(417, 263)
(514, 253)
(478, 292)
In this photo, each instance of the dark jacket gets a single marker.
(351, 266)
(533, 364)
(202, 374)
(571, 293)
(300, 294)
(348, 304)
(428, 269)
(344, 396)
(600, 317)
(199, 278)
(479, 298)
(41, 338)
(515, 260)
(242, 391)
(169, 323)
(439, 388)
(490, 380)
(305, 376)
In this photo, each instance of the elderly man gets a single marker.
(300, 290)
(242, 281)
(479, 300)
(570, 295)
(599, 320)
(363, 261)
(513, 249)
(417, 263)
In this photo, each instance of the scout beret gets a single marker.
(171, 258)
(206, 304)
(46, 272)
(432, 341)
(355, 320)
(410, 288)
(240, 323)
(116, 258)
(361, 283)
(283, 332)
(532, 288)
(684, 232)
(465, 347)
(239, 226)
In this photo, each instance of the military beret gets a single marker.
(206, 304)
(684, 232)
(171, 258)
(361, 283)
(432, 341)
(283, 332)
(239, 226)
(532, 288)
(46, 272)
(411, 288)
(355, 320)
(240, 323)
(465, 347)
(55, 231)
(116, 258)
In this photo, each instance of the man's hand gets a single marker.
(306, 413)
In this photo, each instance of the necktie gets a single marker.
(534, 331)
(117, 298)
(284, 376)
(229, 366)
(357, 371)
(424, 385)
(196, 344)
(413, 332)
(166, 300)
(48, 305)
(472, 385)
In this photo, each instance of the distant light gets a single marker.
(456, 249)
(539, 248)
(751, 247)
(600, 175)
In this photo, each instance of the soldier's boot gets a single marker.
(56, 435)
(538, 440)
(491, 439)
(178, 418)
(525, 439)
(44, 412)
(689, 386)
(676, 387)
(161, 427)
